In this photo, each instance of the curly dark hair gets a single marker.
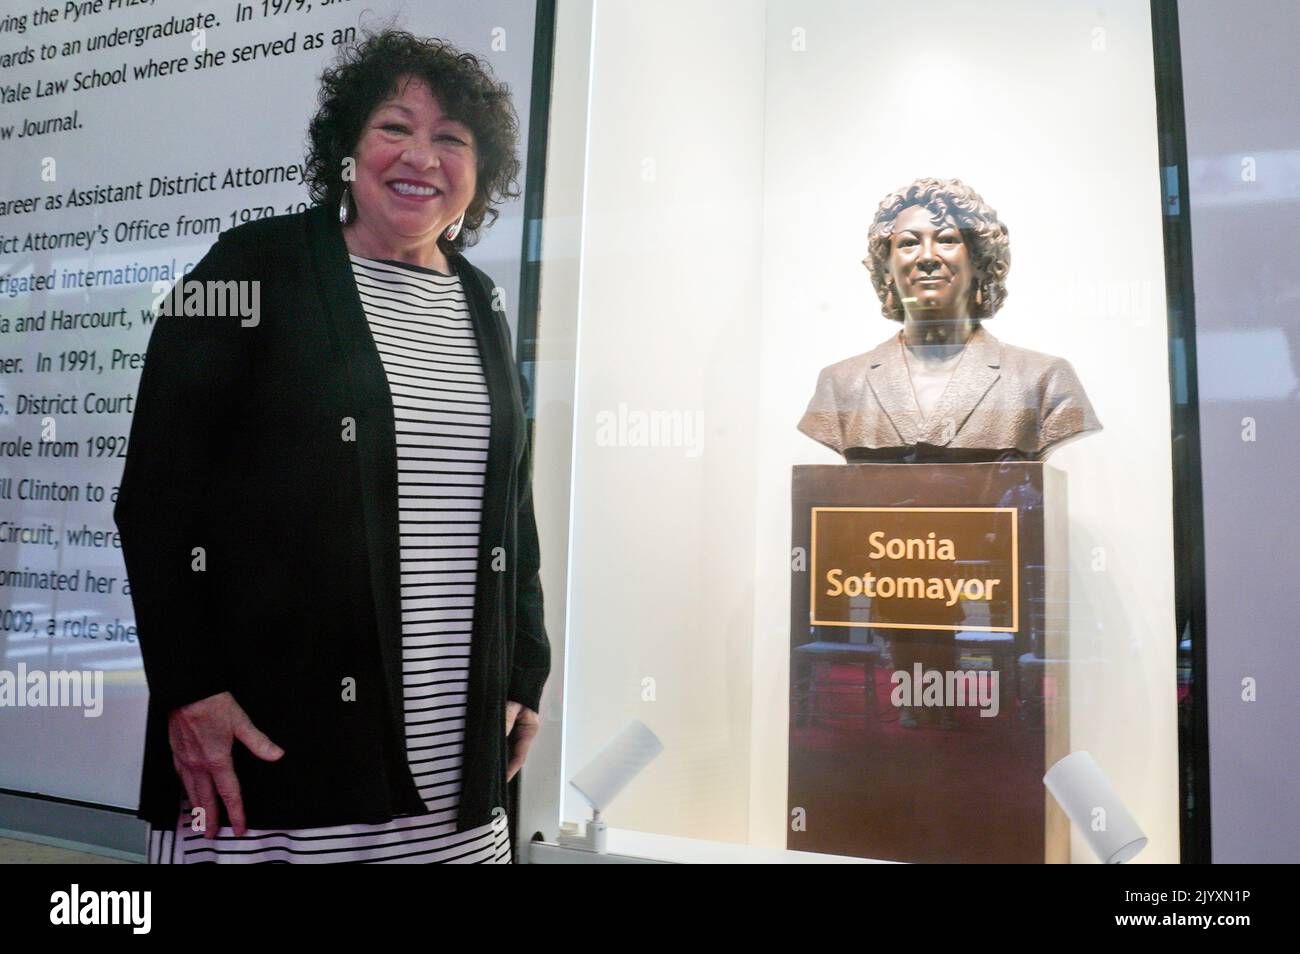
(985, 235)
(368, 71)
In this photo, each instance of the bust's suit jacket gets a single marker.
(1000, 399)
(240, 446)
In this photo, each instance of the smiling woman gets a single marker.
(373, 502)
(404, 111)
(415, 174)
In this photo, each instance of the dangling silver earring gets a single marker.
(454, 229)
(345, 216)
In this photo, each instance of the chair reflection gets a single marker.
(813, 664)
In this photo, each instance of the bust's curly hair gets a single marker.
(367, 72)
(985, 236)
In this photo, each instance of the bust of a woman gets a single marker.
(943, 388)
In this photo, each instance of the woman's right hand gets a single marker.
(202, 738)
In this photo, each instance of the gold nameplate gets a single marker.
(935, 568)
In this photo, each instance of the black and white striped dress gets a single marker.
(421, 325)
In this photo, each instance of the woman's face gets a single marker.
(930, 264)
(416, 169)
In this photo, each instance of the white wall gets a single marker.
(660, 584)
(1243, 192)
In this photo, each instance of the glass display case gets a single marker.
(726, 253)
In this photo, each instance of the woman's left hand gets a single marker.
(522, 725)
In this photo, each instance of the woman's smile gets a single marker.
(413, 191)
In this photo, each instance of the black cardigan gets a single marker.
(271, 447)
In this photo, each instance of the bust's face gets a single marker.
(931, 266)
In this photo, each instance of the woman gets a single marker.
(326, 511)
(944, 388)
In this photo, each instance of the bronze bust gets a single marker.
(944, 388)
